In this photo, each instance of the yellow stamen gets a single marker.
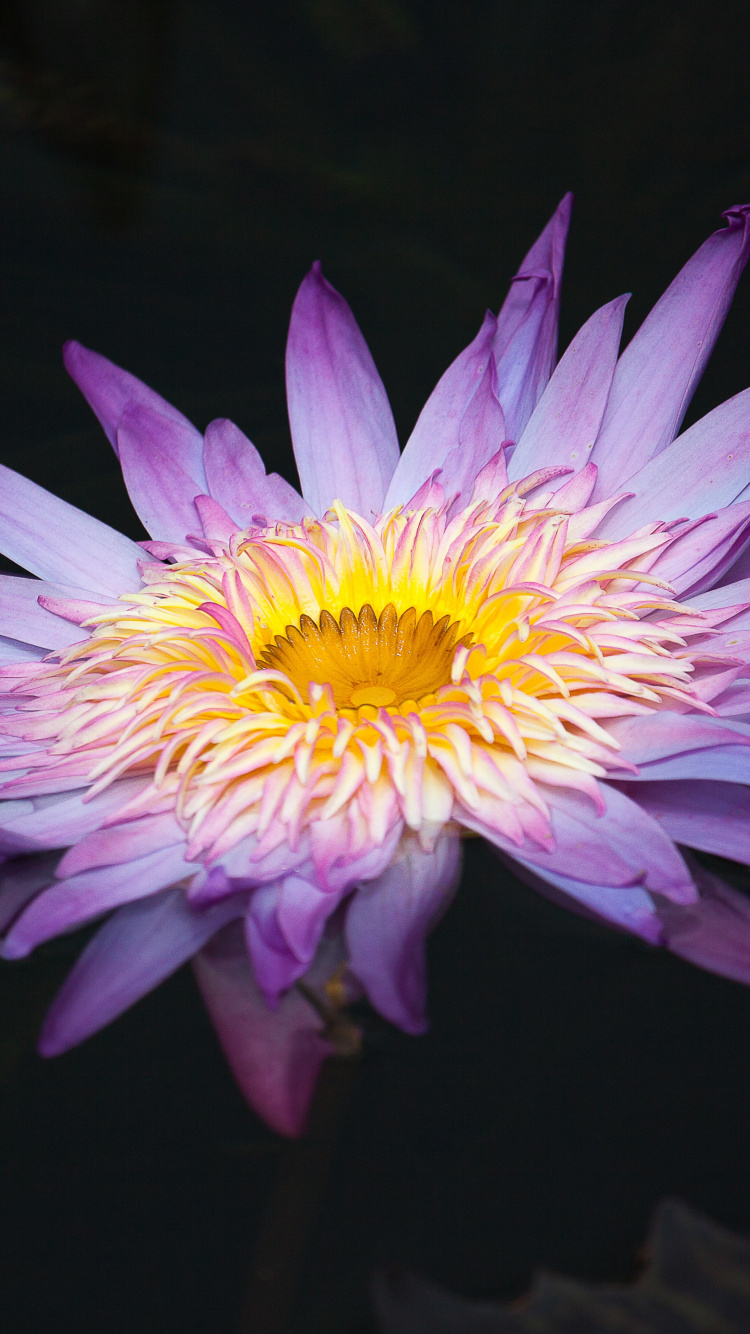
(370, 678)
(368, 659)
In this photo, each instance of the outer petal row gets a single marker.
(660, 368)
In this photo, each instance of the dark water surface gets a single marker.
(168, 171)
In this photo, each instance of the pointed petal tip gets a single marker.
(70, 350)
(737, 213)
(49, 1043)
(343, 433)
(660, 368)
(315, 277)
(14, 949)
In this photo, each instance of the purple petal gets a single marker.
(571, 848)
(135, 950)
(12, 651)
(628, 830)
(737, 569)
(714, 817)
(621, 847)
(481, 434)
(727, 764)
(23, 618)
(631, 909)
(275, 966)
(10, 842)
(284, 924)
(661, 366)
(122, 843)
(734, 702)
(302, 913)
(109, 389)
(656, 736)
(679, 746)
(240, 862)
(701, 555)
(733, 640)
(162, 463)
(68, 903)
(525, 343)
(343, 432)
(274, 1055)
(565, 421)
(729, 595)
(21, 880)
(64, 822)
(437, 430)
(336, 868)
(216, 523)
(238, 480)
(714, 932)
(712, 462)
(56, 541)
(386, 925)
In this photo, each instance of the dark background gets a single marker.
(168, 171)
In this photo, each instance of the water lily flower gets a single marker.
(257, 739)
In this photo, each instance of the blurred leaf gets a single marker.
(697, 1281)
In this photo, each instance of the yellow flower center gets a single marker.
(367, 659)
(388, 676)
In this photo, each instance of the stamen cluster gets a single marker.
(349, 678)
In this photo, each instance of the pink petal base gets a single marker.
(274, 1055)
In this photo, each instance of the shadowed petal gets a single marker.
(343, 433)
(729, 595)
(386, 925)
(565, 422)
(621, 847)
(701, 554)
(738, 568)
(135, 950)
(284, 924)
(631, 832)
(162, 463)
(525, 342)
(21, 880)
(240, 866)
(661, 366)
(714, 817)
(714, 932)
(238, 480)
(480, 436)
(69, 902)
(13, 650)
(109, 389)
(336, 867)
(56, 541)
(437, 430)
(632, 909)
(274, 1055)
